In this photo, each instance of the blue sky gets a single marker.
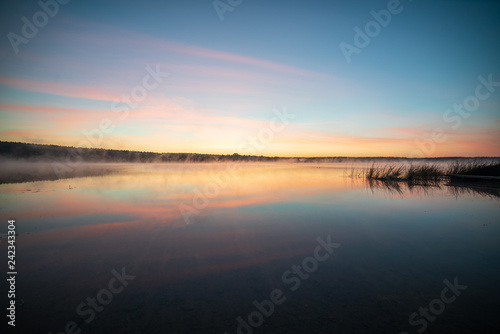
(226, 77)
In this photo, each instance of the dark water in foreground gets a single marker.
(203, 249)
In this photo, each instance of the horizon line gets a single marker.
(263, 156)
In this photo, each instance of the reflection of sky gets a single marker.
(265, 220)
(154, 195)
(150, 198)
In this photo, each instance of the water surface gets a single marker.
(204, 241)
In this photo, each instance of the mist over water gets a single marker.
(46, 167)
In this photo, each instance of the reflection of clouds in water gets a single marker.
(152, 193)
(256, 227)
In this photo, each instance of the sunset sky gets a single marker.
(228, 79)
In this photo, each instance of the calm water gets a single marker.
(201, 245)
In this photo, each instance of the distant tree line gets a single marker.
(41, 152)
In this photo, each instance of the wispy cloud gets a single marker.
(62, 89)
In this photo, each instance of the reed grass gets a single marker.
(474, 168)
(430, 173)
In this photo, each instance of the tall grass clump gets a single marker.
(431, 173)
(386, 172)
(474, 168)
(412, 173)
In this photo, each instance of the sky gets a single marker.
(409, 78)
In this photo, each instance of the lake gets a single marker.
(252, 248)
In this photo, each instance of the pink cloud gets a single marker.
(123, 37)
(62, 89)
(411, 131)
(42, 109)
